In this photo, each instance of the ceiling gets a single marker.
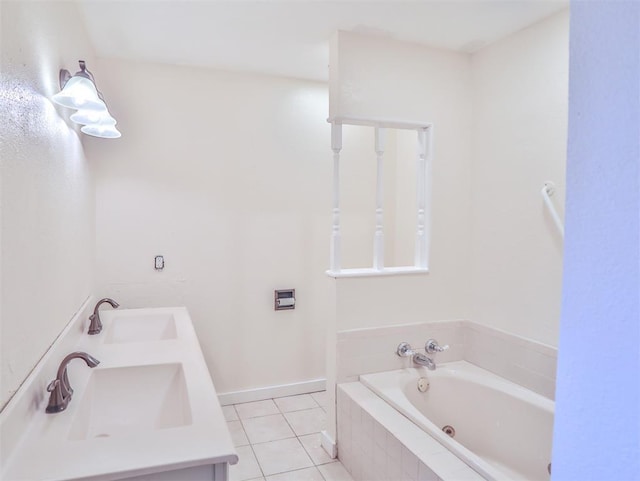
(291, 38)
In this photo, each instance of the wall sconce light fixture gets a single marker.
(79, 92)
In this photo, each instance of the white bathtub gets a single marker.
(503, 431)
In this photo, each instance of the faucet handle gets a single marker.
(432, 346)
(404, 350)
(52, 385)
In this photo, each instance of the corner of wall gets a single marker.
(48, 195)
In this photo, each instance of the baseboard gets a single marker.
(328, 444)
(269, 392)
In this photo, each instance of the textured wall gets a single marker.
(597, 423)
(227, 175)
(47, 193)
(520, 92)
(381, 78)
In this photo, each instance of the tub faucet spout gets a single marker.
(422, 360)
(96, 324)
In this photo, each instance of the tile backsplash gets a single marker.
(528, 363)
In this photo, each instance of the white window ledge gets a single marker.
(371, 272)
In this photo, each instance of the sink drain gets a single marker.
(449, 430)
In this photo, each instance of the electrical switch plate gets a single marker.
(159, 263)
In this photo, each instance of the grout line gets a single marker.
(264, 476)
(309, 454)
(250, 443)
(299, 469)
(273, 440)
(307, 451)
(297, 410)
(296, 436)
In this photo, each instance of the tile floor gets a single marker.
(279, 440)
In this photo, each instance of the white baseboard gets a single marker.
(329, 445)
(269, 392)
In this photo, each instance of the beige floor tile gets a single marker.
(256, 408)
(295, 403)
(321, 398)
(281, 456)
(308, 421)
(306, 474)
(334, 472)
(313, 445)
(238, 436)
(229, 413)
(267, 428)
(247, 467)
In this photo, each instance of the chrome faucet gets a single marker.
(405, 350)
(432, 346)
(60, 388)
(96, 324)
(422, 360)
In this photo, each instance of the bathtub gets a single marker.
(502, 430)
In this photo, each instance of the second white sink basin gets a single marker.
(127, 400)
(149, 327)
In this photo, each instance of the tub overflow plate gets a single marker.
(423, 384)
(449, 431)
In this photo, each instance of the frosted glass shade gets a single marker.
(79, 93)
(105, 131)
(88, 116)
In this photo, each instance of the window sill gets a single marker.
(371, 272)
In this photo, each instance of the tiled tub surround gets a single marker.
(377, 443)
(502, 430)
(525, 363)
(522, 361)
(80, 444)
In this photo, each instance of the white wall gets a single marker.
(520, 92)
(597, 421)
(499, 131)
(47, 191)
(226, 175)
(382, 78)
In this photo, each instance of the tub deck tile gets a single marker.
(409, 464)
(466, 474)
(428, 447)
(446, 465)
(426, 474)
(425, 460)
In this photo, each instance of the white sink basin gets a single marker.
(128, 400)
(149, 327)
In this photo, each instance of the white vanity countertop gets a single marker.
(50, 449)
